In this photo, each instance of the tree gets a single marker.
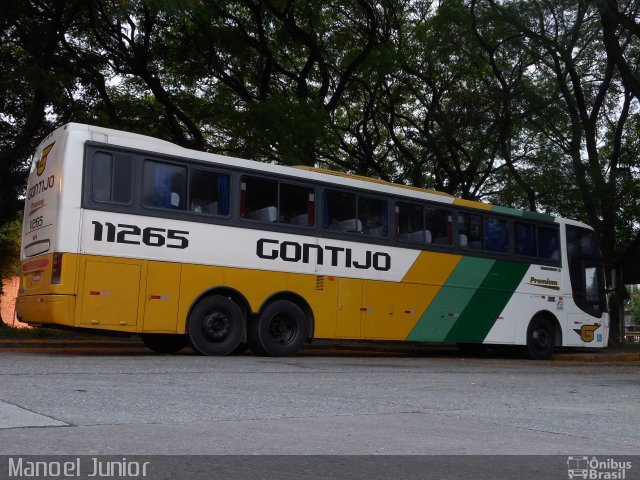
(618, 29)
(592, 128)
(530, 104)
(634, 309)
(31, 34)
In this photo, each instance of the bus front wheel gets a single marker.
(540, 338)
(279, 331)
(216, 326)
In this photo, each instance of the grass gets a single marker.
(9, 332)
(632, 347)
(26, 333)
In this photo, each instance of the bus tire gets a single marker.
(164, 343)
(540, 338)
(216, 326)
(279, 331)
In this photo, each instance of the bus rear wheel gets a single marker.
(216, 326)
(164, 343)
(279, 331)
(540, 338)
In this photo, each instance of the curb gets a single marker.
(67, 342)
(603, 357)
(348, 349)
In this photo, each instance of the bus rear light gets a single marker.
(56, 269)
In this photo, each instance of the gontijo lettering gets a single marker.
(271, 249)
(41, 186)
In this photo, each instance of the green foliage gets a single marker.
(10, 236)
(634, 310)
(515, 102)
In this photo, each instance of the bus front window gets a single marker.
(586, 270)
(592, 285)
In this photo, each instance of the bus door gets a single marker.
(110, 293)
(587, 316)
(349, 315)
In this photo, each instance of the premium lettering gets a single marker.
(544, 282)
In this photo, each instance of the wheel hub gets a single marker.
(540, 338)
(282, 329)
(216, 326)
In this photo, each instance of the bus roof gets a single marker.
(144, 142)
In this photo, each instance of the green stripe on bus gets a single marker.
(482, 311)
(445, 309)
(538, 216)
(507, 210)
(523, 213)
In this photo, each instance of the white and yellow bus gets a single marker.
(127, 233)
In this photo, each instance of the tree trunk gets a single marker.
(616, 307)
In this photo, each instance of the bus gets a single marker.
(131, 234)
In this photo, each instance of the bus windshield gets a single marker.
(586, 270)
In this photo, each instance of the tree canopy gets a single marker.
(525, 103)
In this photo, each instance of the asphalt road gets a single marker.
(124, 400)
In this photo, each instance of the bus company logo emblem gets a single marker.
(587, 332)
(42, 163)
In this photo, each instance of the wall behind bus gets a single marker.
(8, 301)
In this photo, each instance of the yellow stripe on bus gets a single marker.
(470, 203)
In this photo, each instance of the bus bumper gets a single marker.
(46, 309)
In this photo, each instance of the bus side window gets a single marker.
(373, 216)
(101, 177)
(470, 230)
(438, 225)
(548, 243)
(111, 178)
(340, 212)
(525, 239)
(497, 235)
(208, 192)
(259, 199)
(297, 205)
(410, 223)
(165, 185)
